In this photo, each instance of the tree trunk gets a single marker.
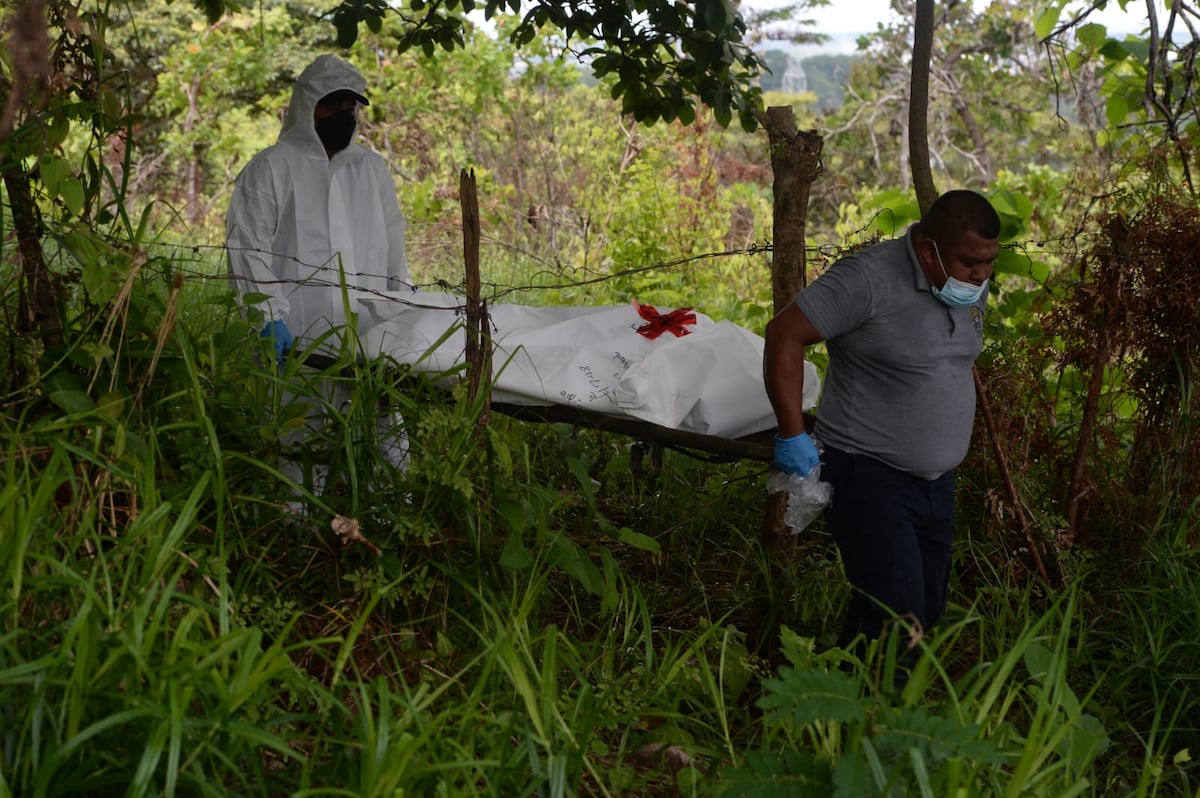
(22, 87)
(918, 106)
(37, 309)
(796, 163)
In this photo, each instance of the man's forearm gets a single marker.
(783, 375)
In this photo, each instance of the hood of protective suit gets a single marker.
(325, 75)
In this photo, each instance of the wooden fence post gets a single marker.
(478, 346)
(796, 163)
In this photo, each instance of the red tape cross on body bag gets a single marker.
(658, 323)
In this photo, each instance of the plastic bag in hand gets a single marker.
(808, 496)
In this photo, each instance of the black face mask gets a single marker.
(336, 130)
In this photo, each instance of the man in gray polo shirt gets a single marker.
(903, 324)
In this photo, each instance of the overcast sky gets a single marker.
(860, 16)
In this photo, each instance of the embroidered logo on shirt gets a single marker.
(977, 319)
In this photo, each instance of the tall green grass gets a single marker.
(536, 620)
(1008, 726)
(119, 670)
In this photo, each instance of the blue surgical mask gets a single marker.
(955, 292)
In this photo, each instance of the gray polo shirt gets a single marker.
(899, 386)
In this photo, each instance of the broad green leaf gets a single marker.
(53, 172)
(631, 104)
(570, 558)
(1114, 50)
(1010, 227)
(638, 540)
(722, 111)
(1016, 302)
(110, 101)
(347, 30)
(586, 484)
(213, 10)
(1004, 202)
(57, 130)
(1092, 34)
(451, 38)
(97, 351)
(896, 210)
(135, 445)
(515, 513)
(515, 555)
(1138, 49)
(64, 380)
(254, 297)
(84, 247)
(102, 280)
(111, 404)
(1010, 261)
(74, 402)
(1024, 206)
(1087, 740)
(144, 222)
(1116, 109)
(1046, 21)
(1037, 660)
(714, 14)
(1018, 205)
(72, 195)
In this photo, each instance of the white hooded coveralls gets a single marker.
(296, 214)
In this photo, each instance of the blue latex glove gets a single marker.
(280, 335)
(796, 455)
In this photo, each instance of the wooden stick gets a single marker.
(469, 199)
(1006, 475)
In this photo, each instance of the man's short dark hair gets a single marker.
(957, 212)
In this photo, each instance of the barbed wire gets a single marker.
(818, 256)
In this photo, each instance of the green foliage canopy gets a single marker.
(664, 54)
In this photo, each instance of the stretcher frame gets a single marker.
(795, 161)
(796, 164)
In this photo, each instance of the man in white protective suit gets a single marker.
(314, 222)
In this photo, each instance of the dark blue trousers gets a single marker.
(895, 532)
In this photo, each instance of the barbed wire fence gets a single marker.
(205, 263)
